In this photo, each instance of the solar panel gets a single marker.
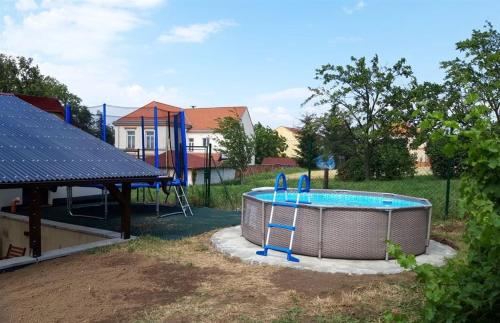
(36, 146)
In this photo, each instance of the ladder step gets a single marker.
(281, 226)
(286, 204)
(300, 202)
(277, 248)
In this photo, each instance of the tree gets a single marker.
(235, 144)
(268, 143)
(478, 70)
(367, 103)
(19, 75)
(470, 81)
(466, 288)
(308, 147)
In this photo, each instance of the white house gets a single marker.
(200, 126)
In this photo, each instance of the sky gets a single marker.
(262, 53)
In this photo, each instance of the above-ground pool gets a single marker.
(339, 223)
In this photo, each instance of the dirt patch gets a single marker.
(319, 284)
(111, 287)
(188, 281)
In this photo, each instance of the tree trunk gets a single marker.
(368, 156)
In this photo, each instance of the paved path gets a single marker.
(229, 241)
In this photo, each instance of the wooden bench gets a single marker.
(14, 251)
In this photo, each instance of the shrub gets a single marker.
(393, 160)
(467, 289)
(440, 163)
(352, 170)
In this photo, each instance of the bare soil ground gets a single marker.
(150, 280)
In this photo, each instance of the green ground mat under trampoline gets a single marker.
(144, 220)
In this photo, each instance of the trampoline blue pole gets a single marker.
(157, 160)
(183, 146)
(142, 137)
(103, 122)
(67, 113)
(176, 147)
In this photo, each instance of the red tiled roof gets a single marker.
(291, 129)
(207, 118)
(147, 112)
(195, 160)
(281, 161)
(51, 105)
(294, 130)
(197, 119)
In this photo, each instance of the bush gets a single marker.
(352, 170)
(440, 163)
(393, 160)
(467, 289)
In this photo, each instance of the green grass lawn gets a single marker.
(429, 187)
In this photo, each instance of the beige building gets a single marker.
(290, 134)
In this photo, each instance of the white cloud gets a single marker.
(26, 5)
(72, 31)
(283, 108)
(131, 4)
(272, 116)
(196, 33)
(75, 41)
(108, 82)
(139, 4)
(360, 4)
(298, 93)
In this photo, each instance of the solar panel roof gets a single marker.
(36, 146)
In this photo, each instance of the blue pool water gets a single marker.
(342, 199)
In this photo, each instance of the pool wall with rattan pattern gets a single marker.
(346, 232)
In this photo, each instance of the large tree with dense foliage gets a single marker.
(234, 143)
(470, 80)
(368, 103)
(20, 75)
(268, 143)
(477, 71)
(467, 288)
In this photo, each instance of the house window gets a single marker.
(191, 144)
(150, 139)
(205, 142)
(130, 139)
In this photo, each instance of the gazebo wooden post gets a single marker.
(35, 223)
(123, 199)
(126, 210)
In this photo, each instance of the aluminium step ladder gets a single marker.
(183, 201)
(288, 203)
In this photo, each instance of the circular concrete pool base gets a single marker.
(229, 241)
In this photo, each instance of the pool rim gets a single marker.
(427, 204)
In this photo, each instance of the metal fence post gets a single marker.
(242, 212)
(448, 183)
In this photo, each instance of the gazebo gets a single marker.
(39, 151)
